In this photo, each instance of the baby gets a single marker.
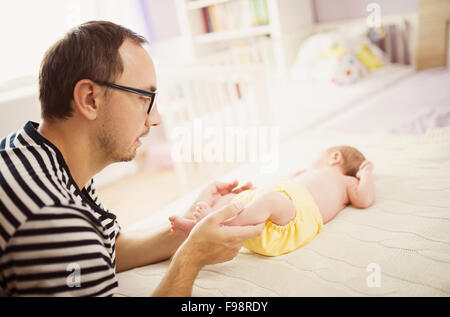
(295, 209)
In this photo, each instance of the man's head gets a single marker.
(346, 157)
(94, 52)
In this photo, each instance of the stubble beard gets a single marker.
(109, 145)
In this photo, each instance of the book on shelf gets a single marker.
(261, 12)
(234, 15)
(207, 20)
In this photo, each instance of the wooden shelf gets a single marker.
(286, 19)
(232, 35)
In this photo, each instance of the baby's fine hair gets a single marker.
(352, 158)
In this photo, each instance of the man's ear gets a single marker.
(335, 158)
(85, 99)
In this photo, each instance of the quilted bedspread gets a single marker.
(400, 246)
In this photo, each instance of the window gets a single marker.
(29, 28)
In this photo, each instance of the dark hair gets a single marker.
(88, 51)
(352, 159)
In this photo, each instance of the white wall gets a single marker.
(334, 10)
(17, 107)
(29, 28)
(164, 19)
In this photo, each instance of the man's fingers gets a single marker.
(226, 212)
(225, 188)
(244, 232)
(248, 185)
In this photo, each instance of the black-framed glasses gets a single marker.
(151, 95)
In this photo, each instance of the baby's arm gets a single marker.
(271, 205)
(361, 190)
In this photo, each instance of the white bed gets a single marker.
(298, 105)
(412, 105)
(406, 232)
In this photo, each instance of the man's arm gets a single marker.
(180, 277)
(361, 190)
(139, 248)
(209, 242)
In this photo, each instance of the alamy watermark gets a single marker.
(213, 144)
(374, 18)
(74, 278)
(73, 14)
(374, 278)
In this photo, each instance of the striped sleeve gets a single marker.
(59, 253)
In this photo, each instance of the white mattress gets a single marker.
(406, 232)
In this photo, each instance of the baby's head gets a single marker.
(346, 157)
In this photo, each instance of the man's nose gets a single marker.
(154, 118)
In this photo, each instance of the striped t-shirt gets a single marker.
(55, 240)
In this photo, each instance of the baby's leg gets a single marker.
(271, 205)
(181, 225)
(202, 209)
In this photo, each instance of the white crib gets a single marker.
(200, 105)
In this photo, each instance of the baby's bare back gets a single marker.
(328, 189)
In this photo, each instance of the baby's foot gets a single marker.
(202, 209)
(181, 225)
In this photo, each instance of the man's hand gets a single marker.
(212, 242)
(365, 168)
(209, 242)
(214, 191)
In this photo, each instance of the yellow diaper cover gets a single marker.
(276, 240)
